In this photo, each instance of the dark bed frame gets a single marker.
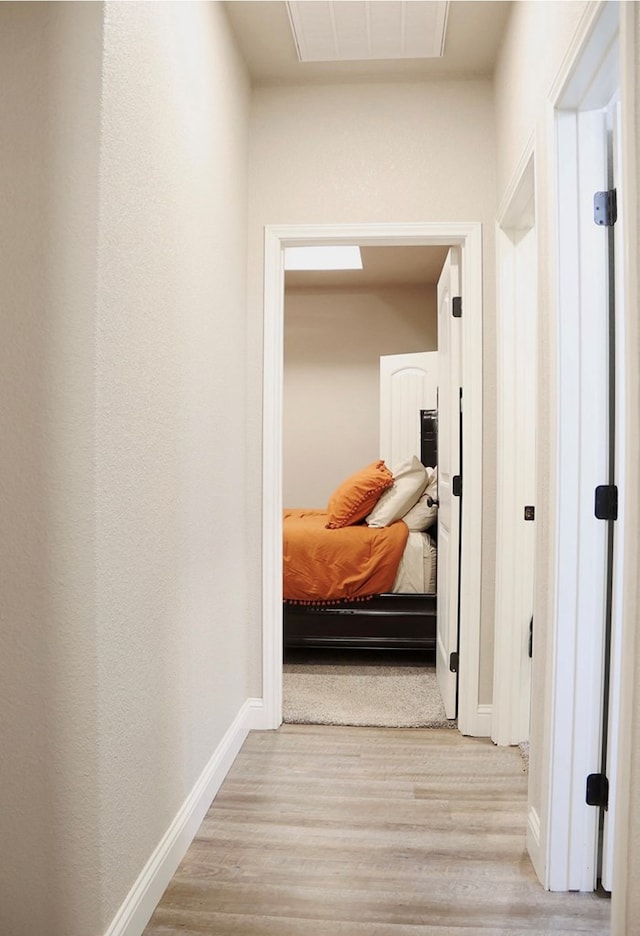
(384, 622)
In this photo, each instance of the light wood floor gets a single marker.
(324, 831)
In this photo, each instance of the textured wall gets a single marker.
(535, 43)
(331, 411)
(376, 153)
(49, 150)
(170, 421)
(125, 634)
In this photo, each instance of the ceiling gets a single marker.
(382, 266)
(473, 35)
(262, 29)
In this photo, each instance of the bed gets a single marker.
(385, 598)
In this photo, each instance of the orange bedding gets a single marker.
(352, 562)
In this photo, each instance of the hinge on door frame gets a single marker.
(605, 208)
(456, 306)
(456, 485)
(606, 502)
(597, 793)
(454, 661)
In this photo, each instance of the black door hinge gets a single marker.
(597, 790)
(454, 661)
(605, 208)
(529, 512)
(606, 502)
(456, 306)
(531, 638)
(456, 485)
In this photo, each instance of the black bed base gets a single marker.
(386, 622)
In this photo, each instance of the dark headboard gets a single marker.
(429, 437)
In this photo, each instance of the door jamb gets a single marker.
(622, 904)
(473, 719)
(511, 687)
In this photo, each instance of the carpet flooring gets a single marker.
(376, 689)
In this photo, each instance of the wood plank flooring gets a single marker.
(368, 832)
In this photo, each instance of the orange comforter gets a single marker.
(353, 562)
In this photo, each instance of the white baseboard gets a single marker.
(484, 714)
(533, 844)
(142, 899)
(479, 724)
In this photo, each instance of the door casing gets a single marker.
(517, 311)
(473, 719)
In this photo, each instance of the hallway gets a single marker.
(348, 831)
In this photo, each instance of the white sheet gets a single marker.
(417, 570)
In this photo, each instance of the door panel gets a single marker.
(449, 340)
(408, 383)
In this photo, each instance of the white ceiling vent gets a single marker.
(352, 30)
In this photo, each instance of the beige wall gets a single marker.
(333, 343)
(49, 150)
(125, 635)
(369, 153)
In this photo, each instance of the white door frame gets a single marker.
(473, 719)
(515, 481)
(622, 918)
(563, 840)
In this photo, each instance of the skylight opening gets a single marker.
(322, 258)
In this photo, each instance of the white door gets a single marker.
(449, 370)
(408, 383)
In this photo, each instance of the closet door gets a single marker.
(408, 383)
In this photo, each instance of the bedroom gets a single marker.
(338, 326)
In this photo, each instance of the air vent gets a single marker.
(357, 30)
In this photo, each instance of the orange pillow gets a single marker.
(358, 495)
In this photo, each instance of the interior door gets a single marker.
(449, 467)
(408, 383)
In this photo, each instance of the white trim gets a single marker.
(142, 899)
(516, 403)
(534, 842)
(563, 84)
(621, 920)
(512, 204)
(469, 237)
(484, 714)
(272, 477)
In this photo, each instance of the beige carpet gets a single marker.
(376, 690)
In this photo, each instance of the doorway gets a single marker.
(472, 719)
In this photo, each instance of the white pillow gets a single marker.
(421, 516)
(409, 481)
